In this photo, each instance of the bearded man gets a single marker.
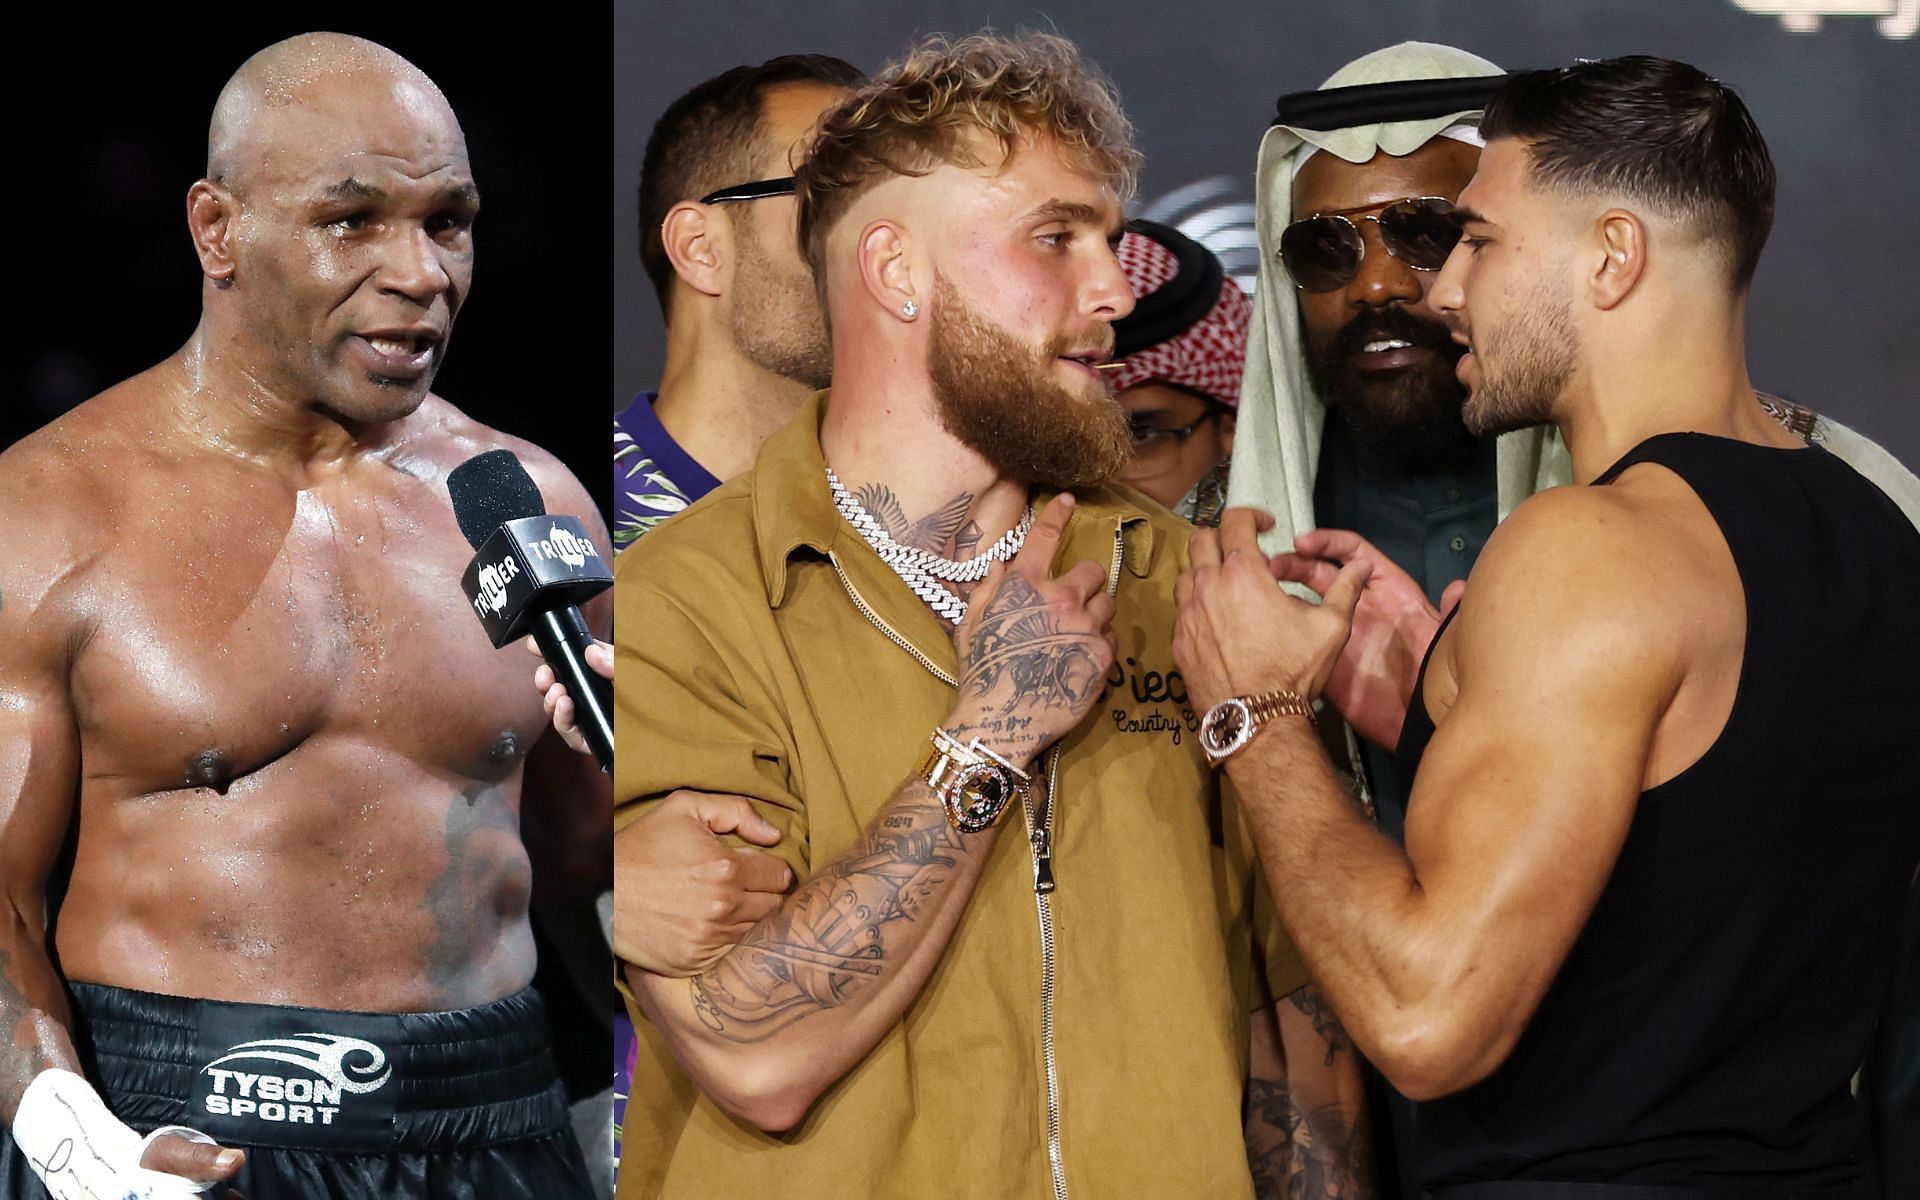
(291, 768)
(1350, 432)
(1350, 412)
(922, 616)
(745, 341)
(1641, 723)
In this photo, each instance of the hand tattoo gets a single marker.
(1018, 641)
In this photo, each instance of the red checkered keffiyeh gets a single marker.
(1209, 356)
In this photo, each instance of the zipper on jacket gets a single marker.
(1038, 813)
(898, 639)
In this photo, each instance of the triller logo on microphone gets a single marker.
(492, 600)
(530, 565)
(561, 543)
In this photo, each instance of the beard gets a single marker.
(1525, 363)
(1411, 416)
(775, 317)
(998, 396)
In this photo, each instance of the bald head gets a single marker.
(286, 88)
(335, 227)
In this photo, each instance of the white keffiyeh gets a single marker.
(1276, 448)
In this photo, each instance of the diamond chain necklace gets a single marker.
(923, 570)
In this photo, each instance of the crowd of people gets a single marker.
(1506, 796)
(1430, 728)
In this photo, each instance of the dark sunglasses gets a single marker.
(1323, 252)
(758, 190)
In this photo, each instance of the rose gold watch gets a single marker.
(1231, 724)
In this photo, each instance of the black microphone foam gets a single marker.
(489, 490)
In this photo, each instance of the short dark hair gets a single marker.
(707, 139)
(1652, 129)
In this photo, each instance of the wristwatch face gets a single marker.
(1227, 726)
(978, 795)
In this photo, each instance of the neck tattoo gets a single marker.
(921, 569)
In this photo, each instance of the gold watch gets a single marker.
(974, 785)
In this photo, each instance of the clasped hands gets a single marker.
(1240, 634)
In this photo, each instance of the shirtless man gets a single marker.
(1639, 932)
(238, 668)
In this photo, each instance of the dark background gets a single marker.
(1833, 316)
(108, 130)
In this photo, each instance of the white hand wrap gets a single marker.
(81, 1151)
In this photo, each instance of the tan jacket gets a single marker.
(765, 649)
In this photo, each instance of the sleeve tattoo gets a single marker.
(843, 930)
(831, 940)
(1308, 1149)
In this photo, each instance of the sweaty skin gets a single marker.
(235, 660)
(298, 758)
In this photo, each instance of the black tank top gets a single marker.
(1708, 1020)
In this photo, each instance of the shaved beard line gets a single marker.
(1529, 362)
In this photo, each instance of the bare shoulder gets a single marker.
(64, 491)
(1581, 573)
(444, 436)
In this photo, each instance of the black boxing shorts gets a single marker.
(461, 1105)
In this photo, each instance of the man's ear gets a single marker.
(211, 210)
(886, 269)
(1621, 239)
(699, 244)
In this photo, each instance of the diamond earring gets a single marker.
(910, 310)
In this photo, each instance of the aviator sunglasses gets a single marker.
(1323, 252)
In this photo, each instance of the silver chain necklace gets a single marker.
(923, 570)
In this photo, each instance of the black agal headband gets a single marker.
(1176, 305)
(1385, 103)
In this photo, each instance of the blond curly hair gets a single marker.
(920, 114)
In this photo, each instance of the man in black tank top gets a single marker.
(1665, 794)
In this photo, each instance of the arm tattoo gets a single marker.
(1318, 1155)
(1321, 1154)
(1314, 1007)
(831, 939)
(1330, 1156)
(1269, 1137)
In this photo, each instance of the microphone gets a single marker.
(530, 574)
